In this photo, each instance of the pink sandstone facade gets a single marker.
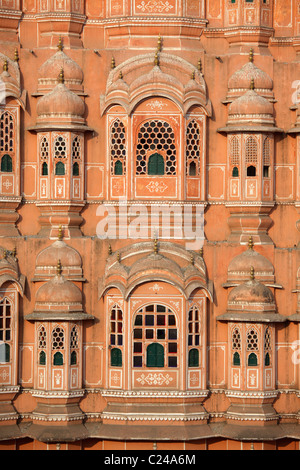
(144, 335)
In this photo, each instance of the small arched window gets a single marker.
(251, 171)
(4, 353)
(58, 359)
(252, 360)
(192, 169)
(235, 172)
(42, 358)
(156, 165)
(44, 169)
(59, 169)
(75, 169)
(118, 169)
(116, 357)
(6, 164)
(193, 358)
(73, 358)
(236, 359)
(155, 355)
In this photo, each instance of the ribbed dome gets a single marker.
(49, 71)
(238, 269)
(46, 261)
(241, 78)
(155, 262)
(59, 291)
(61, 102)
(251, 292)
(250, 104)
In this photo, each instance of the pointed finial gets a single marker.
(14, 253)
(156, 59)
(58, 268)
(155, 246)
(199, 66)
(251, 55)
(121, 75)
(159, 44)
(16, 57)
(4, 254)
(60, 44)
(193, 75)
(192, 259)
(252, 274)
(252, 85)
(109, 250)
(60, 234)
(201, 252)
(250, 243)
(118, 257)
(5, 66)
(113, 63)
(61, 77)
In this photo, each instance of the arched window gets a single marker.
(5, 329)
(236, 359)
(75, 169)
(73, 358)
(42, 358)
(193, 148)
(252, 360)
(156, 137)
(7, 133)
(74, 345)
(58, 359)
(118, 168)
(155, 324)
(193, 358)
(44, 169)
(4, 353)
(155, 355)
(6, 164)
(235, 172)
(58, 345)
(156, 164)
(60, 147)
(267, 347)
(116, 357)
(59, 169)
(118, 148)
(267, 152)
(251, 171)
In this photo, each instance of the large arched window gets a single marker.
(156, 139)
(193, 148)
(155, 337)
(252, 346)
(58, 345)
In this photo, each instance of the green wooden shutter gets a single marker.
(42, 358)
(118, 168)
(155, 355)
(252, 359)
(116, 357)
(156, 164)
(60, 169)
(236, 359)
(58, 359)
(6, 164)
(193, 358)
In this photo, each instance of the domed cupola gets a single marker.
(238, 83)
(58, 299)
(251, 109)
(238, 269)
(49, 71)
(46, 261)
(60, 107)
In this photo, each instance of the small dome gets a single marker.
(46, 261)
(61, 103)
(238, 269)
(250, 104)
(251, 292)
(59, 291)
(49, 71)
(241, 78)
